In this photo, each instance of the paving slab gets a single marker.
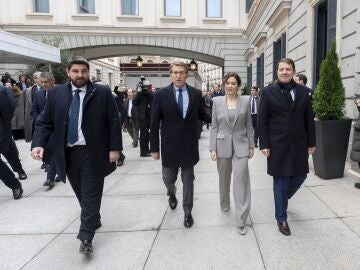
(17, 250)
(314, 244)
(111, 251)
(204, 248)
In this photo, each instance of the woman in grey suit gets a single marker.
(231, 145)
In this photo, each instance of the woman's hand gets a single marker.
(251, 152)
(213, 155)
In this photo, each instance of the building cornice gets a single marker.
(255, 13)
(249, 52)
(259, 39)
(282, 9)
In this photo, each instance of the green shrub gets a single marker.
(329, 94)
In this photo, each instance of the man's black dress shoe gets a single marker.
(284, 227)
(43, 166)
(57, 179)
(357, 185)
(188, 221)
(96, 226)
(17, 193)
(145, 154)
(22, 175)
(172, 201)
(49, 183)
(86, 247)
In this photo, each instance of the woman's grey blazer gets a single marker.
(226, 137)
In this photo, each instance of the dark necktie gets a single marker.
(180, 103)
(72, 133)
(253, 105)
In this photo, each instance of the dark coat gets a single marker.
(38, 104)
(100, 126)
(286, 129)
(179, 138)
(355, 149)
(143, 102)
(6, 113)
(133, 114)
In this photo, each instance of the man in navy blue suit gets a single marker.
(83, 122)
(177, 109)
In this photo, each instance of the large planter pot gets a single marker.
(332, 139)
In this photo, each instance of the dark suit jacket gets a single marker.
(286, 129)
(6, 113)
(38, 104)
(133, 113)
(179, 138)
(100, 126)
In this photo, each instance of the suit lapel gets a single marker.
(172, 99)
(226, 111)
(280, 96)
(237, 110)
(191, 100)
(90, 91)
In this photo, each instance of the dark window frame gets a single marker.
(260, 71)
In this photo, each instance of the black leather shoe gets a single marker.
(43, 166)
(357, 185)
(145, 154)
(22, 175)
(57, 179)
(284, 228)
(188, 221)
(86, 247)
(49, 183)
(172, 201)
(17, 193)
(134, 145)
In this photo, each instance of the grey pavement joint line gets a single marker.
(258, 244)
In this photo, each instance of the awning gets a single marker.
(19, 50)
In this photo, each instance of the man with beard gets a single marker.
(83, 121)
(287, 136)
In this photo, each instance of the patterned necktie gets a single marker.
(180, 102)
(72, 132)
(253, 105)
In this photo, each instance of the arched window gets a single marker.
(165, 62)
(149, 61)
(133, 61)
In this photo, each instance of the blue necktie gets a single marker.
(72, 132)
(180, 103)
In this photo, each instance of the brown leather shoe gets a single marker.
(284, 228)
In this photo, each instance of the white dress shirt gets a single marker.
(130, 108)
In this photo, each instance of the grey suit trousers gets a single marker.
(241, 186)
(187, 177)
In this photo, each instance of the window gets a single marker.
(248, 5)
(98, 74)
(133, 61)
(249, 76)
(279, 51)
(260, 71)
(130, 7)
(324, 33)
(165, 62)
(41, 6)
(214, 8)
(172, 8)
(86, 6)
(149, 61)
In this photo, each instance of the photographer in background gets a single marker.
(143, 101)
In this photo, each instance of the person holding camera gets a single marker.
(143, 101)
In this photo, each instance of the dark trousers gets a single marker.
(144, 135)
(254, 123)
(52, 169)
(8, 177)
(284, 188)
(12, 156)
(88, 189)
(187, 178)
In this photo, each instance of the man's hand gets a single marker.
(114, 156)
(155, 155)
(266, 152)
(37, 153)
(251, 152)
(311, 150)
(213, 155)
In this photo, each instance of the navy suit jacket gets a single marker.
(38, 104)
(179, 137)
(100, 126)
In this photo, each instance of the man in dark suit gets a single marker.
(84, 124)
(131, 123)
(6, 113)
(254, 106)
(177, 108)
(287, 136)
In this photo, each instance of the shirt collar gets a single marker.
(177, 88)
(73, 88)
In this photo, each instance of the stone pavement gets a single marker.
(140, 231)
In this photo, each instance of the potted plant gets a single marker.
(331, 128)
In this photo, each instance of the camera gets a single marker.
(143, 86)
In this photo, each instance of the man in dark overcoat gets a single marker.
(83, 121)
(6, 113)
(177, 108)
(287, 136)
